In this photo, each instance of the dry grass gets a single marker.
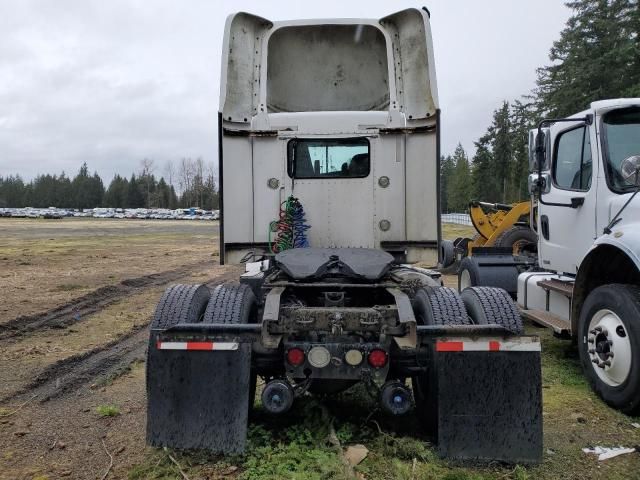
(451, 231)
(44, 264)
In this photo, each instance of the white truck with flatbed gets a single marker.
(328, 148)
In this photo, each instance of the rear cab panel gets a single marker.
(331, 80)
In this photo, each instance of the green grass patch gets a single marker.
(299, 451)
(107, 410)
(560, 361)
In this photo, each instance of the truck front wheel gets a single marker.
(609, 344)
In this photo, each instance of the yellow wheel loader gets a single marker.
(501, 225)
(504, 241)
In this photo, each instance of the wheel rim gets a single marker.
(465, 279)
(609, 347)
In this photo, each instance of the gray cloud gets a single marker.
(111, 83)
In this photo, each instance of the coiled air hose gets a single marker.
(290, 228)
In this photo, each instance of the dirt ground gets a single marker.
(77, 296)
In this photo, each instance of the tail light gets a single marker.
(295, 356)
(377, 358)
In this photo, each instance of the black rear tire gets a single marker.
(236, 304)
(624, 302)
(486, 305)
(439, 306)
(231, 303)
(434, 306)
(180, 304)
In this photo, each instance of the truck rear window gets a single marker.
(328, 158)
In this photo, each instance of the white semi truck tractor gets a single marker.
(585, 283)
(328, 155)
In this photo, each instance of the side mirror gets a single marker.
(535, 187)
(538, 149)
(630, 168)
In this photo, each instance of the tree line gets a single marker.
(597, 57)
(190, 183)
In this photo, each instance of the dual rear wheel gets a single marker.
(186, 304)
(445, 306)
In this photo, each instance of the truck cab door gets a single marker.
(567, 232)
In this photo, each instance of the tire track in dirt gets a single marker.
(97, 365)
(79, 308)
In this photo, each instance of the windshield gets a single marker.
(323, 158)
(621, 140)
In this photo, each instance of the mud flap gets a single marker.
(489, 405)
(198, 399)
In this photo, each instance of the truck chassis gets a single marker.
(321, 320)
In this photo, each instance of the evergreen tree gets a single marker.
(446, 175)
(63, 196)
(163, 194)
(596, 57)
(135, 197)
(502, 149)
(116, 194)
(522, 119)
(87, 190)
(459, 189)
(173, 198)
(12, 192)
(483, 175)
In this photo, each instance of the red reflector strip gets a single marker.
(487, 346)
(449, 346)
(207, 346)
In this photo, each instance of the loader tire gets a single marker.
(180, 304)
(486, 305)
(434, 306)
(517, 238)
(234, 303)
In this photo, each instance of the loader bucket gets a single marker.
(490, 402)
(198, 398)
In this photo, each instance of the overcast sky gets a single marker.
(112, 82)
